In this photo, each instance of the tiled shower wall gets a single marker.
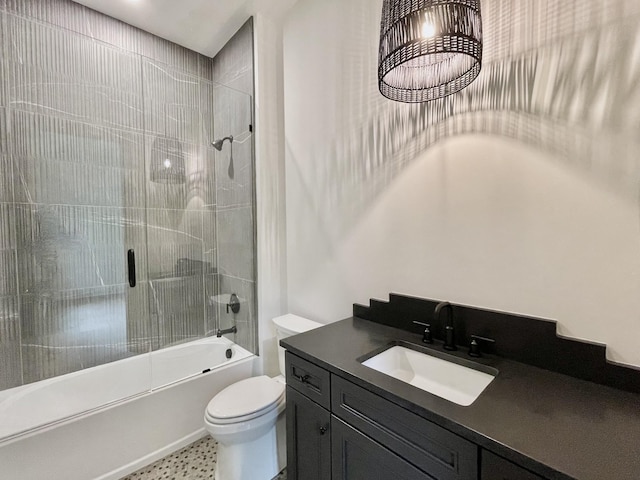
(232, 68)
(86, 102)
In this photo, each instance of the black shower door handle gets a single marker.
(131, 260)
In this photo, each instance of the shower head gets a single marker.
(218, 143)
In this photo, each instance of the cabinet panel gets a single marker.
(497, 468)
(433, 449)
(308, 379)
(357, 457)
(308, 439)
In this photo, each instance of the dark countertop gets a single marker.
(555, 425)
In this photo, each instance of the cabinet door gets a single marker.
(357, 457)
(497, 468)
(308, 439)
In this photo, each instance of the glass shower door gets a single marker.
(77, 204)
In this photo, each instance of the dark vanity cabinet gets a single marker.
(497, 468)
(308, 438)
(308, 421)
(337, 430)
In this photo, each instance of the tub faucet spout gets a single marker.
(224, 331)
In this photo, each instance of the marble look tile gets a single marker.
(11, 371)
(178, 306)
(178, 57)
(235, 230)
(80, 19)
(207, 107)
(8, 239)
(245, 319)
(57, 161)
(205, 67)
(172, 103)
(232, 113)
(142, 333)
(234, 173)
(6, 179)
(3, 46)
(8, 282)
(175, 243)
(57, 72)
(211, 289)
(63, 248)
(4, 145)
(72, 331)
(196, 191)
(235, 176)
(233, 65)
(210, 237)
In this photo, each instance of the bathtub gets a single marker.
(106, 422)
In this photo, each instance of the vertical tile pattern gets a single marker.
(80, 19)
(11, 371)
(3, 56)
(245, 319)
(233, 65)
(52, 153)
(55, 72)
(234, 164)
(85, 98)
(236, 252)
(232, 70)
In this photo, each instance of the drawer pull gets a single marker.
(302, 378)
(323, 430)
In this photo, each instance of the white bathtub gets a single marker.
(107, 421)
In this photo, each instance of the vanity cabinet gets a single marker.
(308, 438)
(356, 456)
(497, 468)
(337, 430)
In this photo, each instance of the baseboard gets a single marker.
(125, 470)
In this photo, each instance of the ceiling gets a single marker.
(200, 25)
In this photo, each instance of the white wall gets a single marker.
(518, 194)
(270, 188)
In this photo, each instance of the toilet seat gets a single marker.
(246, 400)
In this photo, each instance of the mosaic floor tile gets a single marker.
(194, 462)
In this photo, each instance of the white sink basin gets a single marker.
(448, 380)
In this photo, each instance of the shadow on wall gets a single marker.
(563, 77)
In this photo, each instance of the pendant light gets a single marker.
(428, 48)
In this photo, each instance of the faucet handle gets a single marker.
(426, 336)
(474, 347)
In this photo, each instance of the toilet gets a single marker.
(247, 418)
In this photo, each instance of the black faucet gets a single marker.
(449, 333)
(426, 336)
(224, 331)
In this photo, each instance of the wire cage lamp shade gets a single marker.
(428, 48)
(167, 161)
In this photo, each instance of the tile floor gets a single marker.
(194, 462)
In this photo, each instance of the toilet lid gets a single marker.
(246, 397)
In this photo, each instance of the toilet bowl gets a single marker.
(248, 421)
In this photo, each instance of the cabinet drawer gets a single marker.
(308, 379)
(434, 450)
(357, 457)
(497, 468)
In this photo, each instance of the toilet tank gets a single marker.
(287, 325)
